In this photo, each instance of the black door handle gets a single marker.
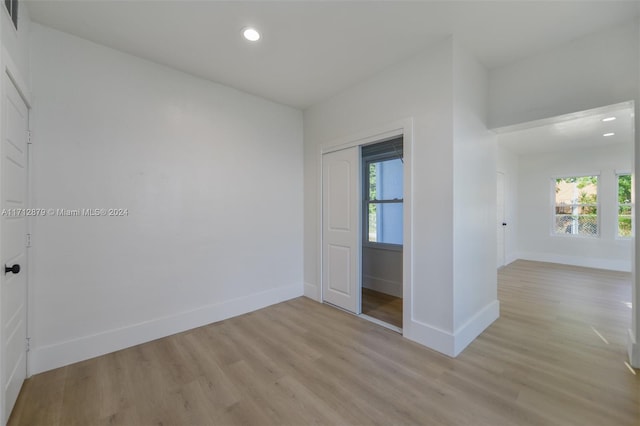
(504, 223)
(15, 269)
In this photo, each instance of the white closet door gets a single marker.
(341, 228)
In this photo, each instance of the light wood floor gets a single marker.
(300, 362)
(382, 306)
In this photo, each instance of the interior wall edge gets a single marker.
(427, 335)
(633, 350)
(475, 326)
(448, 343)
(312, 291)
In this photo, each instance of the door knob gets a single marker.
(504, 223)
(15, 269)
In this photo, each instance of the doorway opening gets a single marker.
(365, 233)
(567, 195)
(382, 231)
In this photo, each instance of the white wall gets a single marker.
(507, 163)
(212, 180)
(589, 72)
(474, 202)
(382, 270)
(535, 207)
(421, 88)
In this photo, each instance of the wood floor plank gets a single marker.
(40, 402)
(554, 357)
(382, 306)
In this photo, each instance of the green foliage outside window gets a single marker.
(625, 210)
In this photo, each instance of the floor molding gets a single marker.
(587, 262)
(49, 357)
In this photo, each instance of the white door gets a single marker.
(341, 228)
(13, 284)
(501, 219)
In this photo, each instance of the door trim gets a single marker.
(402, 128)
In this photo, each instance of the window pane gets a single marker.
(624, 189)
(385, 223)
(625, 227)
(577, 190)
(625, 209)
(373, 223)
(385, 180)
(576, 206)
(578, 224)
(588, 224)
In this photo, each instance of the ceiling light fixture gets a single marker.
(606, 135)
(608, 119)
(251, 34)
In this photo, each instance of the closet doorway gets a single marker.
(365, 236)
(382, 232)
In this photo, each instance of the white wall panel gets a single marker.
(211, 178)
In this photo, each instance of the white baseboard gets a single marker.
(468, 332)
(429, 336)
(312, 291)
(634, 350)
(64, 353)
(452, 344)
(588, 262)
(510, 258)
(383, 286)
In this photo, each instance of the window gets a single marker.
(383, 192)
(12, 8)
(576, 206)
(625, 207)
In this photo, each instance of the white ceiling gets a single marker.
(572, 131)
(313, 50)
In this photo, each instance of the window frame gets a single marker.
(597, 205)
(366, 201)
(631, 204)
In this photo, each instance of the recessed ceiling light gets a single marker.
(608, 134)
(608, 119)
(251, 34)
